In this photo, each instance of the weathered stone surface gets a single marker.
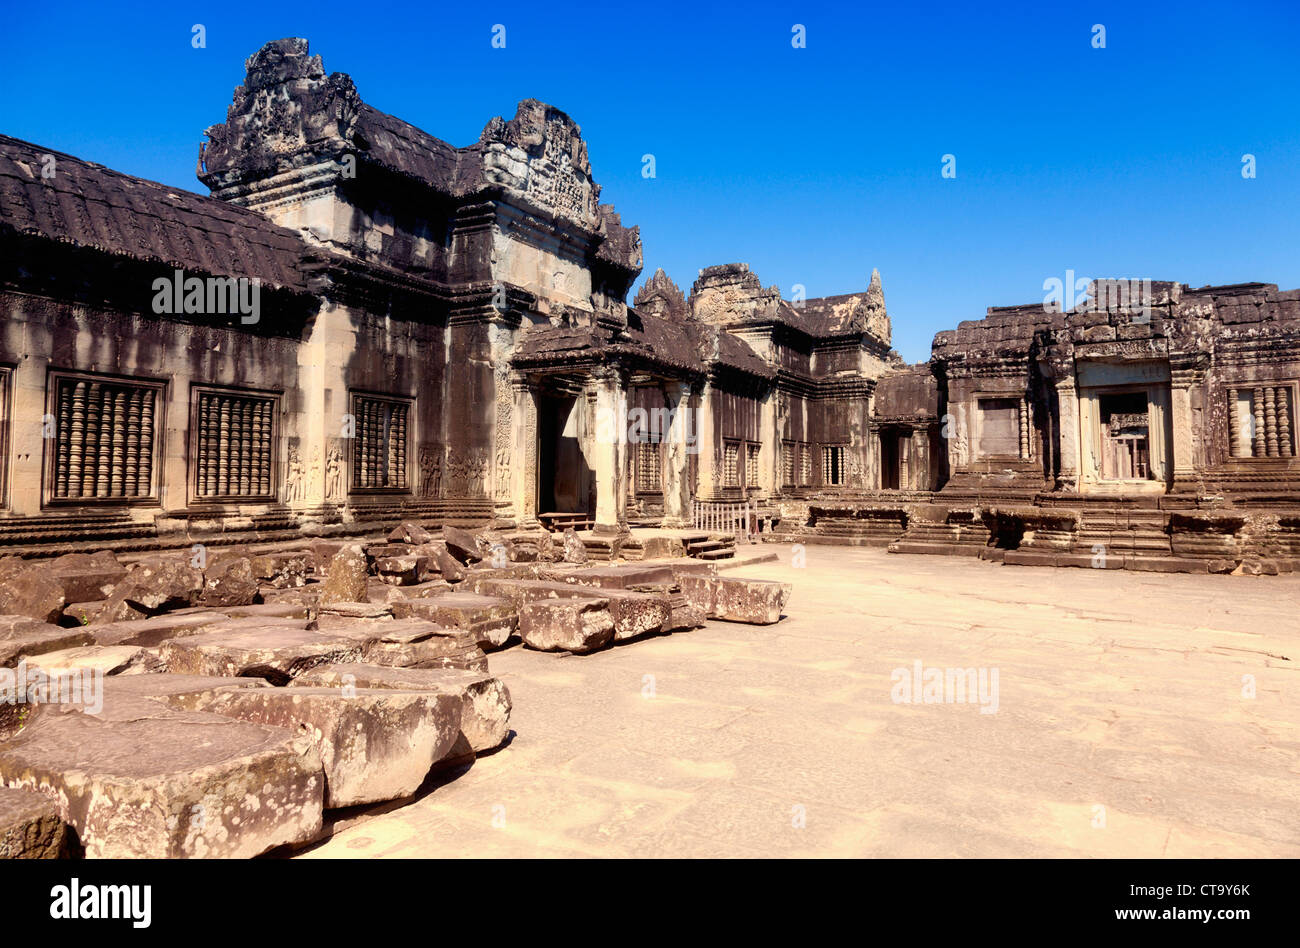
(346, 580)
(448, 566)
(402, 570)
(143, 780)
(283, 570)
(27, 638)
(410, 532)
(485, 701)
(229, 581)
(86, 577)
(31, 590)
(490, 619)
(348, 613)
(461, 544)
(634, 613)
(657, 547)
(622, 577)
(151, 632)
(572, 625)
(157, 583)
(734, 599)
(374, 744)
(30, 826)
(275, 653)
(271, 610)
(575, 551)
(108, 659)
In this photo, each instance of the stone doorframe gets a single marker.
(1097, 378)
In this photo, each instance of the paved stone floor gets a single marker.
(1123, 726)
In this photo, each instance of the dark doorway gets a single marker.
(1125, 436)
(890, 459)
(565, 482)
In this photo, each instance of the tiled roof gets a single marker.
(87, 205)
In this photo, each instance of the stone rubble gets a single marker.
(245, 693)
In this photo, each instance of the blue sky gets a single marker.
(812, 165)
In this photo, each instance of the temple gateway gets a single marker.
(364, 324)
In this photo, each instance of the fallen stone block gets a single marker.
(575, 551)
(461, 544)
(349, 613)
(229, 581)
(30, 590)
(634, 613)
(140, 780)
(491, 620)
(157, 583)
(151, 632)
(410, 532)
(105, 659)
(271, 610)
(30, 826)
(283, 570)
(275, 653)
(485, 701)
(28, 638)
(374, 744)
(576, 625)
(346, 580)
(402, 570)
(653, 548)
(755, 601)
(418, 643)
(86, 577)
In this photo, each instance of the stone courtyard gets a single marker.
(1118, 690)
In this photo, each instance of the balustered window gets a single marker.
(1261, 421)
(379, 449)
(731, 464)
(805, 464)
(751, 465)
(788, 462)
(647, 466)
(233, 449)
(102, 446)
(833, 465)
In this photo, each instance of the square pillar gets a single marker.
(610, 453)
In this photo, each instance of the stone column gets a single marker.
(610, 453)
(921, 476)
(1181, 428)
(769, 479)
(706, 444)
(523, 491)
(1068, 403)
(681, 440)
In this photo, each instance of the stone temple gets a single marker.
(366, 325)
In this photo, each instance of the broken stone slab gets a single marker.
(491, 620)
(410, 532)
(282, 569)
(157, 583)
(620, 577)
(374, 744)
(151, 632)
(734, 599)
(30, 590)
(461, 544)
(87, 577)
(30, 826)
(26, 638)
(402, 570)
(276, 653)
(105, 659)
(229, 581)
(308, 595)
(576, 625)
(346, 580)
(271, 610)
(575, 551)
(348, 613)
(485, 700)
(141, 780)
(653, 548)
(634, 613)
(418, 643)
